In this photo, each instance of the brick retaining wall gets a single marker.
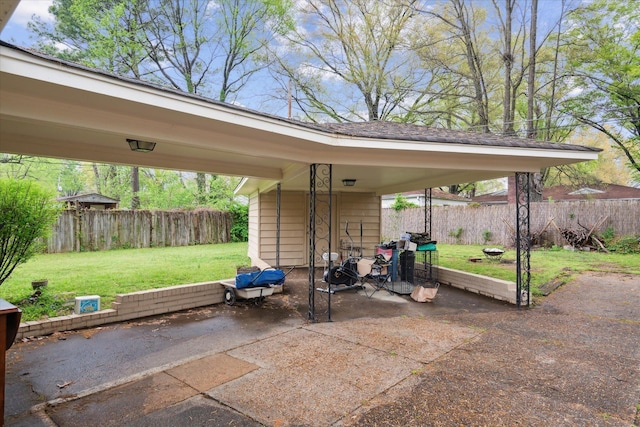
(499, 289)
(132, 306)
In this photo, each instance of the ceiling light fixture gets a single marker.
(141, 146)
(349, 182)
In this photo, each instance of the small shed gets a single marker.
(89, 201)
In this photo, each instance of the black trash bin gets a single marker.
(407, 266)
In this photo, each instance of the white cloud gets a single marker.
(27, 8)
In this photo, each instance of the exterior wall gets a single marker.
(356, 207)
(352, 207)
(253, 251)
(293, 228)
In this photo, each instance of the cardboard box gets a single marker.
(406, 245)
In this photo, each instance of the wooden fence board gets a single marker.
(96, 230)
(622, 215)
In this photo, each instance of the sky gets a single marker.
(16, 29)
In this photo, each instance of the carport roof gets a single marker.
(55, 108)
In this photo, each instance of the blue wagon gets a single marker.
(253, 286)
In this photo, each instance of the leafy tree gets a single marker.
(462, 25)
(401, 203)
(355, 48)
(27, 212)
(45, 171)
(246, 29)
(605, 65)
(240, 227)
(610, 167)
(70, 180)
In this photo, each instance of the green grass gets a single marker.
(122, 271)
(546, 264)
(109, 273)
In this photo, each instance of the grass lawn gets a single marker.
(122, 271)
(546, 264)
(108, 273)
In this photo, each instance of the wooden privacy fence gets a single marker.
(472, 224)
(96, 230)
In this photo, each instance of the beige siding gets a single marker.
(254, 226)
(293, 228)
(356, 207)
(294, 224)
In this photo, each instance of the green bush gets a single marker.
(240, 218)
(608, 234)
(624, 245)
(27, 212)
(401, 203)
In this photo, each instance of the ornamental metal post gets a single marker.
(278, 190)
(320, 189)
(523, 239)
(427, 256)
(427, 211)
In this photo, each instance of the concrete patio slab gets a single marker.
(417, 338)
(316, 374)
(124, 404)
(211, 371)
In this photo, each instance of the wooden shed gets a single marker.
(89, 201)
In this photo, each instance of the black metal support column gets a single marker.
(523, 239)
(428, 210)
(278, 226)
(320, 192)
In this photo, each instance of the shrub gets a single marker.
(456, 233)
(624, 245)
(27, 212)
(401, 203)
(240, 218)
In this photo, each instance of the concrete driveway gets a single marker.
(463, 359)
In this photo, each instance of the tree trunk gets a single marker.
(473, 61)
(201, 182)
(507, 58)
(135, 187)
(531, 127)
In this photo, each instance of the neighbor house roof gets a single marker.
(568, 192)
(435, 194)
(598, 191)
(55, 108)
(88, 197)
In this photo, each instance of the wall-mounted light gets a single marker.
(349, 182)
(141, 146)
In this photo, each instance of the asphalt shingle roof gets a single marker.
(419, 133)
(372, 130)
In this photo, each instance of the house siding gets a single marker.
(293, 228)
(352, 207)
(254, 227)
(356, 207)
